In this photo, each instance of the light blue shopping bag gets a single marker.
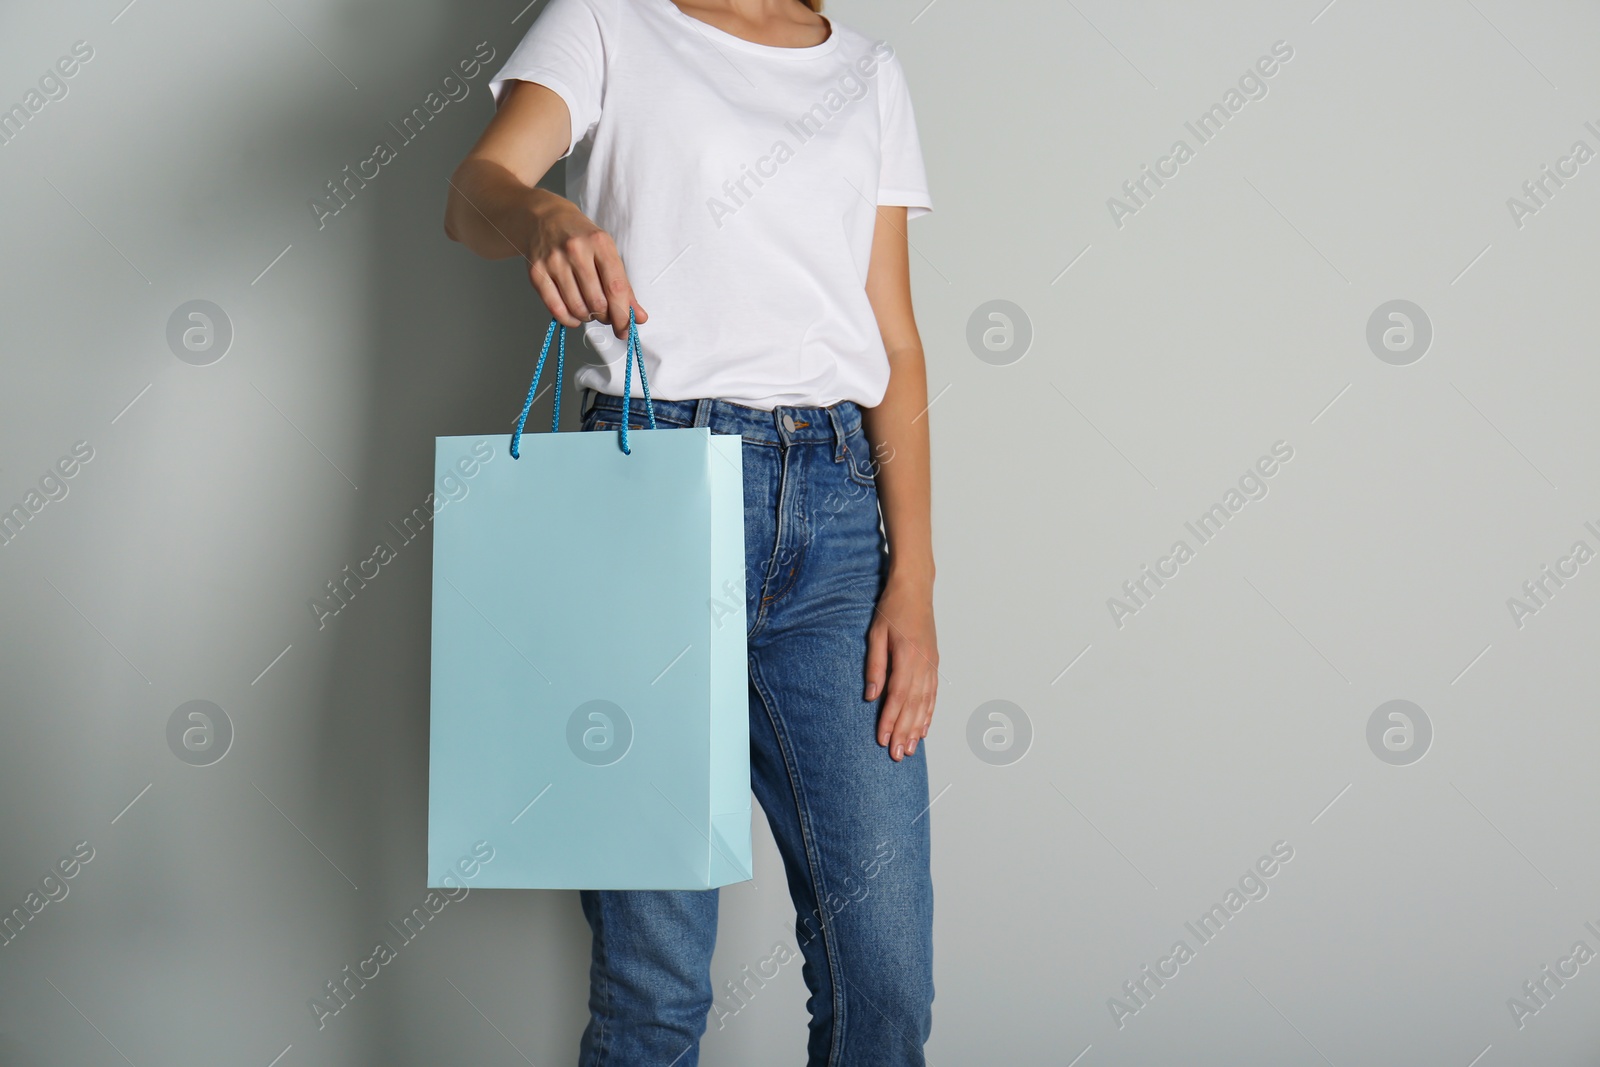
(589, 692)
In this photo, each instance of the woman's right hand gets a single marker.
(575, 267)
(496, 208)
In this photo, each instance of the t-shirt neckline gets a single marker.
(753, 47)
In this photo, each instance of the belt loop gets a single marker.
(702, 411)
(838, 432)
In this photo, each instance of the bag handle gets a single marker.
(561, 359)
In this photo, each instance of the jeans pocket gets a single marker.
(860, 469)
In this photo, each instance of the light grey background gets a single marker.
(1168, 354)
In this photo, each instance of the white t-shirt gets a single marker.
(739, 182)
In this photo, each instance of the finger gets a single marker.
(618, 290)
(931, 700)
(545, 286)
(908, 725)
(924, 720)
(889, 714)
(560, 269)
(582, 257)
(877, 661)
(918, 710)
(896, 709)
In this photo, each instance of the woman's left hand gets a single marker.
(903, 652)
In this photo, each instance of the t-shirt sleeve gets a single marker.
(902, 179)
(564, 50)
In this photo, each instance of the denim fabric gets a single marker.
(850, 823)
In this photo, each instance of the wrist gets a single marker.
(540, 209)
(910, 574)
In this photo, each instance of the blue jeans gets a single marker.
(850, 823)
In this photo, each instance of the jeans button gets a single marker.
(788, 422)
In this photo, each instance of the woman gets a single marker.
(754, 165)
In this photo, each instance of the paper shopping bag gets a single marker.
(589, 702)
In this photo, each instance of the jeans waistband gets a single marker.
(782, 425)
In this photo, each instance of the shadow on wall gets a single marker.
(454, 342)
(208, 925)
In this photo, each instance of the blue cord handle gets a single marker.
(561, 360)
(627, 382)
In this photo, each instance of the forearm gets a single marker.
(494, 213)
(898, 431)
